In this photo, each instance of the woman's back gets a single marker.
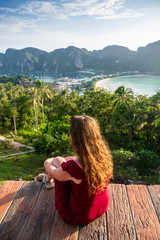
(81, 186)
(79, 206)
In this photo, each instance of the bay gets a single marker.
(140, 84)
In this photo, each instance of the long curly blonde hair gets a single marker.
(92, 151)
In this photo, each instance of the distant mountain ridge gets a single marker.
(111, 59)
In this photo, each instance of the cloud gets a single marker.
(36, 8)
(125, 14)
(98, 9)
(17, 26)
(10, 10)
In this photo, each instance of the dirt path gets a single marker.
(15, 154)
(16, 145)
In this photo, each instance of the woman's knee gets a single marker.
(57, 161)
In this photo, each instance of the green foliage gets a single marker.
(123, 163)
(130, 122)
(129, 165)
(49, 144)
(30, 133)
(136, 146)
(45, 144)
(129, 173)
(55, 138)
(57, 127)
(4, 79)
(19, 139)
(123, 158)
(146, 162)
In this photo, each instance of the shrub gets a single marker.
(124, 165)
(129, 173)
(30, 133)
(136, 146)
(55, 138)
(128, 165)
(57, 127)
(146, 162)
(123, 158)
(48, 144)
(45, 144)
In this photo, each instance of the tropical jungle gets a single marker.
(39, 116)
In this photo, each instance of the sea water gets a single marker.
(140, 84)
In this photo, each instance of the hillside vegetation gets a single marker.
(131, 124)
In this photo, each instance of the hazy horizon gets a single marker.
(74, 46)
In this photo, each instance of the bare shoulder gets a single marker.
(75, 159)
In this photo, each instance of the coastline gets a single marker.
(98, 83)
(150, 88)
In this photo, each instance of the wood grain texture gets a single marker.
(16, 218)
(146, 222)
(61, 230)
(41, 219)
(119, 218)
(8, 191)
(95, 230)
(155, 196)
(27, 212)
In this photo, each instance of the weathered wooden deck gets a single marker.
(27, 212)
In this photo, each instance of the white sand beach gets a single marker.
(98, 83)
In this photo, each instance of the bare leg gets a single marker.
(57, 161)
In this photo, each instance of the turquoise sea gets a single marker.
(140, 84)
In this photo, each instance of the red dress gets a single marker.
(72, 200)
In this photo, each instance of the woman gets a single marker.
(81, 182)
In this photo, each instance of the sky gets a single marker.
(90, 24)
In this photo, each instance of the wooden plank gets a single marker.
(41, 219)
(61, 230)
(8, 191)
(155, 196)
(18, 214)
(146, 222)
(119, 217)
(95, 230)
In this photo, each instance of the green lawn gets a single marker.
(25, 166)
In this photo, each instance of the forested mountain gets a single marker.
(111, 58)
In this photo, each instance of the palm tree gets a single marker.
(33, 100)
(14, 113)
(130, 115)
(156, 119)
(44, 92)
(122, 94)
(13, 93)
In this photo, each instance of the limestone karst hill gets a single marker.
(111, 58)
